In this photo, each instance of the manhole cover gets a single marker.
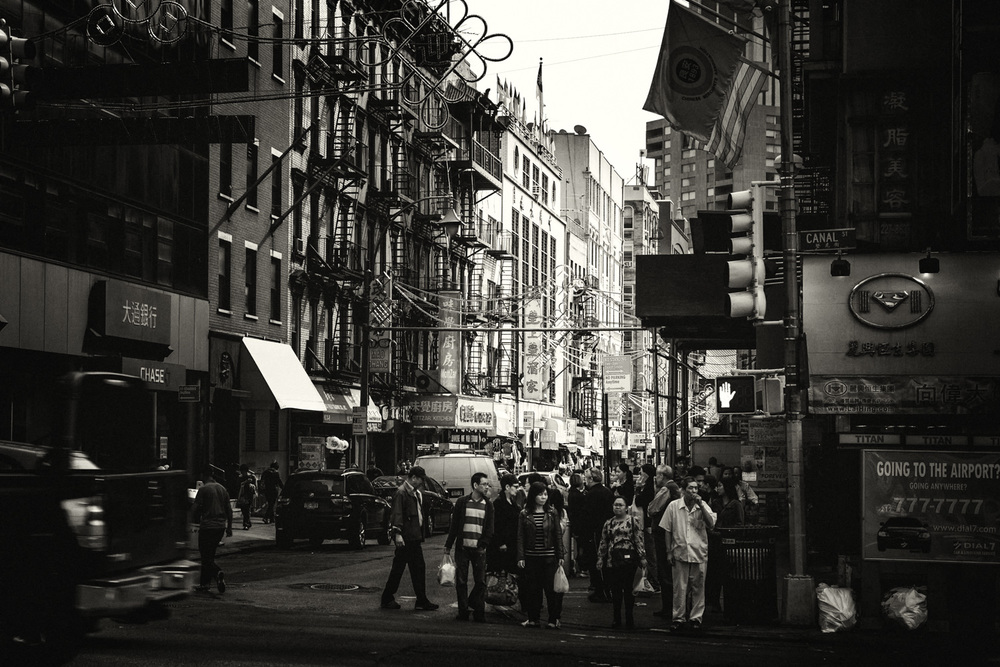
(340, 588)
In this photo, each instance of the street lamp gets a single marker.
(450, 224)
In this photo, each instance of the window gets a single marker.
(225, 272)
(687, 182)
(687, 196)
(276, 185)
(250, 286)
(252, 174)
(226, 19)
(253, 30)
(278, 48)
(687, 154)
(526, 173)
(275, 288)
(299, 19)
(689, 168)
(226, 169)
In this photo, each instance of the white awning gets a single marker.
(374, 414)
(273, 368)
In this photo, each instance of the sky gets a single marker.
(598, 61)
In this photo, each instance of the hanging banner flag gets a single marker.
(726, 142)
(535, 369)
(694, 72)
(450, 342)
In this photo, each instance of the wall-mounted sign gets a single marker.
(124, 310)
(617, 374)
(931, 506)
(450, 342)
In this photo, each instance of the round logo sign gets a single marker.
(891, 301)
(692, 73)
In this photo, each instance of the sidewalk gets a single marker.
(581, 615)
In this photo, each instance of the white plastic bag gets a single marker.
(906, 605)
(561, 583)
(446, 571)
(836, 608)
(641, 585)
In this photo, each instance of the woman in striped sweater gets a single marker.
(539, 555)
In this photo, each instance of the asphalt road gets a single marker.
(319, 606)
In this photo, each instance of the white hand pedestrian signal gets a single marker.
(736, 394)
(726, 395)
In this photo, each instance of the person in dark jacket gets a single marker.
(472, 530)
(599, 505)
(270, 481)
(577, 514)
(624, 486)
(647, 489)
(501, 554)
(407, 521)
(539, 555)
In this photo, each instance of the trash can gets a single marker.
(750, 583)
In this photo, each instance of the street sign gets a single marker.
(617, 374)
(359, 420)
(189, 393)
(828, 239)
(735, 394)
(380, 352)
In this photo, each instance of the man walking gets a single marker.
(687, 521)
(472, 528)
(599, 503)
(270, 479)
(213, 513)
(408, 536)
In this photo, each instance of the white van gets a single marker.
(455, 470)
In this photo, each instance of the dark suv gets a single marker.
(330, 504)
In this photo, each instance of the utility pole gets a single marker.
(799, 600)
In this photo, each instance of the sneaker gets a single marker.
(222, 581)
(426, 605)
(390, 604)
(553, 625)
(531, 624)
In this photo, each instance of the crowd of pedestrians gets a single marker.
(649, 526)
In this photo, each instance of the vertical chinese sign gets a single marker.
(535, 368)
(450, 342)
(896, 167)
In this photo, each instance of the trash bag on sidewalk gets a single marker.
(906, 605)
(836, 608)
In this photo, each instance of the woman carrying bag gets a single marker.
(539, 555)
(621, 552)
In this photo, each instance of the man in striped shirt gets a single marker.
(472, 529)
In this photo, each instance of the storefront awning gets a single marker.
(374, 414)
(338, 405)
(274, 369)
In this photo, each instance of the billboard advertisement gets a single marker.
(931, 506)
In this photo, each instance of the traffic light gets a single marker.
(746, 274)
(15, 76)
(735, 394)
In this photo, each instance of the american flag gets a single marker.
(726, 142)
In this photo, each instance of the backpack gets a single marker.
(248, 490)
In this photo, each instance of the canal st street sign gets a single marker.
(827, 239)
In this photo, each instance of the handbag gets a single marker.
(501, 589)
(560, 584)
(620, 557)
(446, 571)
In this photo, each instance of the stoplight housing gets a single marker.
(746, 273)
(15, 76)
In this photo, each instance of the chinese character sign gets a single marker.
(535, 362)
(450, 342)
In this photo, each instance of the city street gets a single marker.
(320, 606)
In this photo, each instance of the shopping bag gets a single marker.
(561, 583)
(641, 585)
(501, 589)
(446, 571)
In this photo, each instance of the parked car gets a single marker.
(330, 504)
(550, 478)
(455, 469)
(903, 533)
(437, 505)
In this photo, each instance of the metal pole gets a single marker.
(793, 396)
(672, 405)
(656, 402)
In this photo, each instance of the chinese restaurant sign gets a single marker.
(536, 370)
(450, 341)
(931, 506)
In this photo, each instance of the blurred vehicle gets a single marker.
(551, 479)
(454, 471)
(91, 529)
(437, 506)
(903, 533)
(330, 504)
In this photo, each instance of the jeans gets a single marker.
(208, 544)
(539, 575)
(409, 555)
(464, 557)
